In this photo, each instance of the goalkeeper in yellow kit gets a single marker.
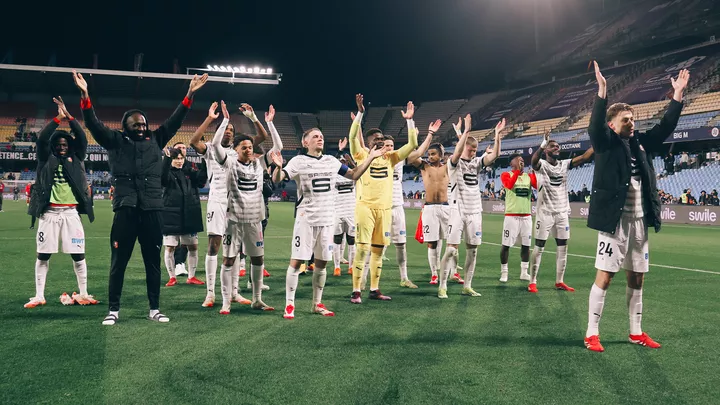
(374, 193)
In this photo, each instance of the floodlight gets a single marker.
(269, 71)
(256, 69)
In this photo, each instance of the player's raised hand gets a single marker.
(602, 83)
(499, 127)
(681, 82)
(352, 115)
(410, 111)
(276, 157)
(377, 152)
(270, 114)
(248, 111)
(62, 109)
(225, 112)
(458, 127)
(342, 143)
(80, 83)
(359, 100)
(167, 151)
(196, 84)
(468, 123)
(212, 111)
(434, 126)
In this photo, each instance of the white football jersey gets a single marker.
(245, 185)
(552, 186)
(344, 197)
(217, 179)
(398, 200)
(315, 178)
(466, 177)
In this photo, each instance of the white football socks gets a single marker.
(170, 262)
(524, 266)
(291, 283)
(536, 259)
(41, 270)
(561, 263)
(447, 265)
(235, 274)
(470, 259)
(401, 253)
(318, 283)
(433, 261)
(226, 283)
(337, 255)
(634, 303)
(210, 274)
(80, 268)
(351, 255)
(595, 308)
(192, 262)
(256, 275)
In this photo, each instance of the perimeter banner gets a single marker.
(670, 214)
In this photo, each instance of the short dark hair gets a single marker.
(178, 143)
(514, 155)
(616, 109)
(389, 138)
(239, 138)
(438, 147)
(229, 123)
(372, 131)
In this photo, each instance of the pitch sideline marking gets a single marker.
(592, 257)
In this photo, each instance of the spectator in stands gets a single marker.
(585, 191)
(492, 185)
(703, 198)
(134, 156)
(684, 196)
(714, 198)
(684, 160)
(16, 193)
(690, 198)
(2, 190)
(669, 163)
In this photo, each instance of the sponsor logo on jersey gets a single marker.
(259, 244)
(78, 241)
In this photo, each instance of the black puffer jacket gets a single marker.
(135, 163)
(73, 169)
(611, 179)
(182, 213)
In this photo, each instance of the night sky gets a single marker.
(391, 50)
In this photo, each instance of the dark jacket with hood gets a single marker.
(182, 213)
(611, 179)
(135, 160)
(73, 169)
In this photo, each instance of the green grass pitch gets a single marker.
(507, 346)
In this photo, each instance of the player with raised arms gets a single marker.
(315, 175)
(553, 207)
(246, 208)
(373, 213)
(625, 202)
(466, 214)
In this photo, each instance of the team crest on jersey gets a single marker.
(478, 233)
(646, 256)
(387, 234)
(330, 248)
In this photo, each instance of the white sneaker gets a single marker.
(503, 276)
(180, 269)
(525, 276)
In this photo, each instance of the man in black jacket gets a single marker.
(624, 201)
(135, 158)
(58, 197)
(182, 215)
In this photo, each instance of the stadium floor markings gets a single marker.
(593, 257)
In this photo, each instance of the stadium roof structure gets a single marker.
(28, 79)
